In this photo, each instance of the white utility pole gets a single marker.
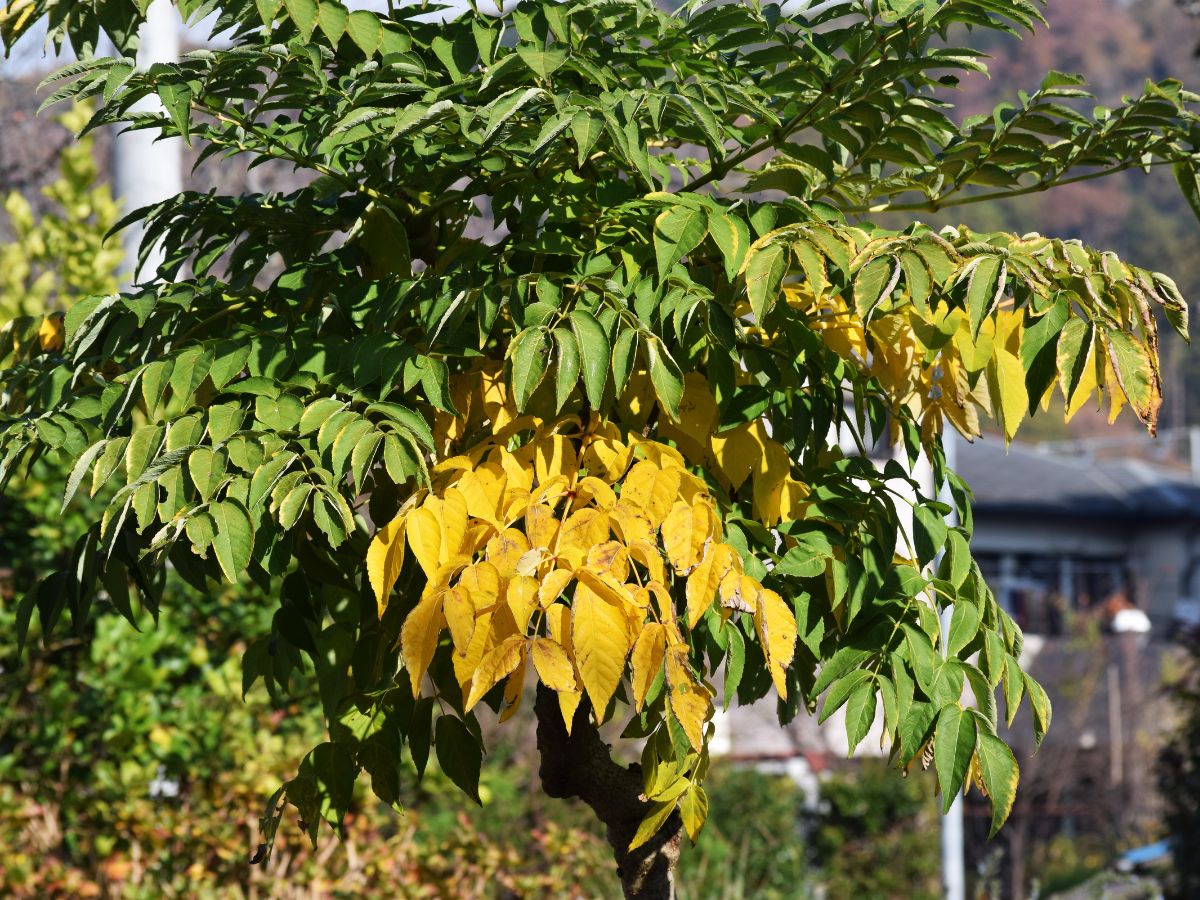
(146, 169)
(954, 869)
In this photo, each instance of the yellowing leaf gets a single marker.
(685, 533)
(483, 490)
(486, 634)
(600, 637)
(693, 809)
(776, 625)
(690, 701)
(498, 663)
(646, 661)
(419, 638)
(552, 664)
(593, 489)
(385, 559)
(646, 553)
(697, 414)
(703, 583)
(606, 457)
(513, 690)
(454, 524)
(740, 592)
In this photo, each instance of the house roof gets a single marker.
(1028, 480)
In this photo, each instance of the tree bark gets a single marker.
(579, 765)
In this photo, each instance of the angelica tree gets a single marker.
(546, 374)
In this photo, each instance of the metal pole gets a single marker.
(146, 170)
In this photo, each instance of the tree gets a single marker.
(534, 380)
(1179, 772)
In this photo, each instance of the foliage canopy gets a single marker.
(548, 369)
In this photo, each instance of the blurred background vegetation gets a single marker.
(132, 766)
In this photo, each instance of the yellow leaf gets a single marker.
(483, 489)
(498, 663)
(568, 702)
(773, 470)
(540, 525)
(646, 553)
(419, 638)
(513, 689)
(740, 593)
(651, 489)
(600, 637)
(691, 702)
(558, 624)
(1087, 387)
(792, 499)
(1116, 395)
(611, 558)
(736, 452)
(593, 489)
(646, 661)
(552, 585)
(460, 616)
(686, 532)
(522, 597)
(454, 524)
(1013, 399)
(657, 815)
(631, 522)
(606, 457)
(484, 638)
(582, 530)
(605, 585)
(385, 559)
(552, 664)
(518, 473)
(697, 415)
(50, 333)
(424, 532)
(554, 456)
(505, 549)
(481, 582)
(776, 625)
(706, 578)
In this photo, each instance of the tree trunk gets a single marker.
(580, 765)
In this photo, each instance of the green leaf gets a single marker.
(735, 663)
(1189, 183)
(763, 272)
(842, 690)
(929, 533)
(732, 237)
(365, 30)
(998, 770)
(1040, 703)
(953, 746)
(666, 376)
(567, 370)
(332, 18)
(985, 287)
(585, 131)
(1074, 355)
(653, 821)
(860, 713)
(623, 357)
(543, 63)
(304, 14)
(234, 537)
(459, 755)
(964, 625)
(677, 232)
(873, 283)
(529, 358)
(596, 354)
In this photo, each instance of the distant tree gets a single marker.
(1179, 777)
(546, 385)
